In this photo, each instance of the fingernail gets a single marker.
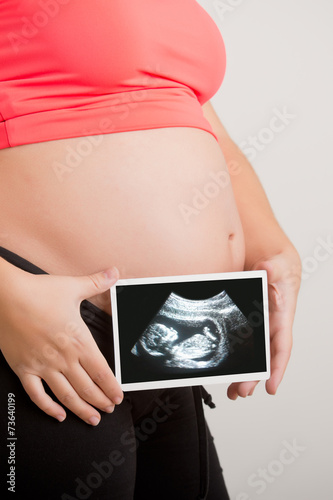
(61, 418)
(109, 409)
(111, 274)
(117, 400)
(94, 420)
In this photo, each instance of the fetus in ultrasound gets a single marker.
(191, 334)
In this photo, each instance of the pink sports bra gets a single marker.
(71, 68)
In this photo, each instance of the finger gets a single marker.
(253, 387)
(281, 345)
(101, 374)
(34, 388)
(242, 389)
(232, 391)
(95, 365)
(88, 390)
(279, 365)
(245, 388)
(67, 395)
(96, 283)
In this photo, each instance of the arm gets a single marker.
(266, 247)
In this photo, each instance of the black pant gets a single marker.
(148, 448)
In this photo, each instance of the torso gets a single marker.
(138, 200)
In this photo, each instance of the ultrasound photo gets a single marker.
(189, 330)
(191, 333)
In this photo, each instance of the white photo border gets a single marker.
(190, 381)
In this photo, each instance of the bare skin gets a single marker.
(120, 205)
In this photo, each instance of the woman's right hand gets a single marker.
(43, 337)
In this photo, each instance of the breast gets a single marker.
(128, 45)
(87, 66)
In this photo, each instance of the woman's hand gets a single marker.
(44, 338)
(284, 277)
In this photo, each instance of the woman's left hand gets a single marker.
(284, 278)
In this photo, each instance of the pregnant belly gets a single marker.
(153, 203)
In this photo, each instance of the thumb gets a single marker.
(274, 271)
(271, 266)
(94, 284)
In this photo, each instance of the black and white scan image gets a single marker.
(191, 334)
(178, 332)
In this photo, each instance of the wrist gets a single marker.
(12, 279)
(271, 249)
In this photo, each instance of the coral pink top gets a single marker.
(71, 68)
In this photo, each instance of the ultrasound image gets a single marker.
(191, 334)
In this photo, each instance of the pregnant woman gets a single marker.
(108, 142)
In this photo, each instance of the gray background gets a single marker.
(280, 55)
